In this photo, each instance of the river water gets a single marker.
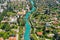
(27, 25)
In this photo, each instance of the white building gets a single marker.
(50, 35)
(28, 8)
(13, 19)
(15, 0)
(1, 10)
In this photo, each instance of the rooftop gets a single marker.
(12, 38)
(39, 33)
(1, 10)
(1, 38)
(23, 12)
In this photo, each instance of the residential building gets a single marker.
(1, 38)
(50, 35)
(21, 13)
(1, 10)
(39, 33)
(12, 38)
(13, 19)
(15, 0)
(28, 8)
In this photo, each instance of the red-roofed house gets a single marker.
(39, 33)
(1, 38)
(12, 38)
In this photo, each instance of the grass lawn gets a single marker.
(34, 36)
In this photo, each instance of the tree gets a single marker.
(1, 24)
(21, 22)
(1, 34)
(11, 13)
(3, 14)
(6, 35)
(5, 26)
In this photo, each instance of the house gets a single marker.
(20, 13)
(39, 33)
(4, 4)
(12, 38)
(13, 0)
(47, 39)
(55, 22)
(54, 18)
(58, 27)
(13, 19)
(59, 33)
(1, 10)
(4, 21)
(50, 35)
(28, 8)
(23, 12)
(57, 2)
(1, 38)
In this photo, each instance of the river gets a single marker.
(27, 25)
